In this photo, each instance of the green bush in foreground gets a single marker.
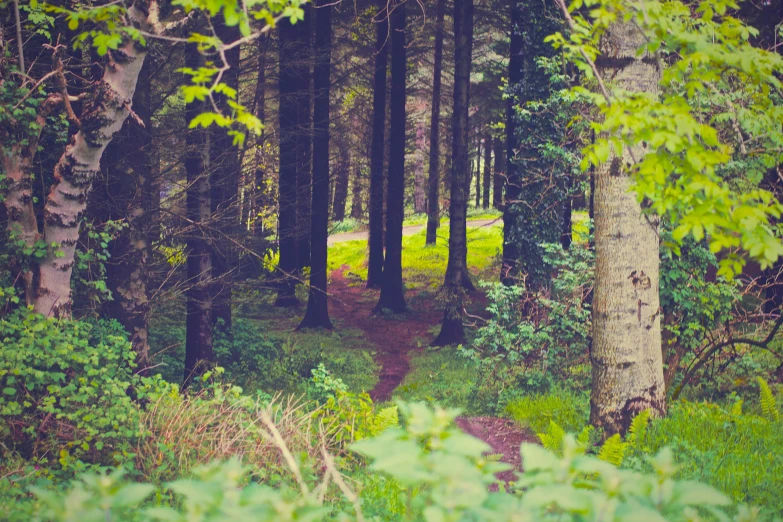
(441, 470)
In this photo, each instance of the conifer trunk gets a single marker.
(376, 239)
(498, 177)
(341, 183)
(392, 297)
(487, 169)
(452, 331)
(626, 355)
(433, 182)
(317, 313)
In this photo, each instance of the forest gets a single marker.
(416, 260)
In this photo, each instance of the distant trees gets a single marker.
(433, 179)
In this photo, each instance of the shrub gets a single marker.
(68, 387)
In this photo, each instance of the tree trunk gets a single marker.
(317, 313)
(487, 169)
(478, 170)
(419, 196)
(452, 331)
(376, 239)
(357, 209)
(293, 45)
(304, 142)
(198, 334)
(128, 195)
(260, 197)
(341, 183)
(105, 111)
(392, 297)
(433, 186)
(498, 178)
(224, 176)
(626, 356)
(567, 234)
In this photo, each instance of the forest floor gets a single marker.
(398, 337)
(407, 230)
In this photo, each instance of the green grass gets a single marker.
(474, 214)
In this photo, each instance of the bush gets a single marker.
(68, 388)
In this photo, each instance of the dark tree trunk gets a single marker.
(294, 90)
(433, 189)
(317, 313)
(452, 331)
(498, 178)
(487, 169)
(357, 209)
(259, 200)
(224, 183)
(341, 183)
(513, 176)
(375, 241)
(128, 194)
(198, 334)
(392, 297)
(419, 194)
(304, 143)
(478, 170)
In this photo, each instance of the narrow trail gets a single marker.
(407, 230)
(397, 338)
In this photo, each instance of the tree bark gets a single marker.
(317, 313)
(224, 175)
(626, 356)
(128, 195)
(487, 169)
(376, 239)
(260, 196)
(419, 195)
(498, 178)
(433, 185)
(452, 331)
(305, 142)
(392, 297)
(341, 183)
(478, 170)
(105, 110)
(198, 331)
(357, 210)
(293, 48)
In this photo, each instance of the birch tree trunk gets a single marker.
(105, 110)
(626, 356)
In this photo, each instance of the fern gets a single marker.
(638, 429)
(553, 441)
(385, 418)
(736, 410)
(768, 407)
(613, 450)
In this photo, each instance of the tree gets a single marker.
(376, 239)
(294, 47)
(317, 313)
(433, 181)
(392, 296)
(452, 331)
(198, 321)
(487, 169)
(304, 139)
(341, 183)
(498, 178)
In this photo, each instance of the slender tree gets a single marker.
(478, 169)
(419, 193)
(626, 353)
(304, 138)
(317, 313)
(198, 331)
(498, 177)
(341, 183)
(452, 331)
(487, 169)
(376, 239)
(392, 296)
(294, 88)
(259, 180)
(433, 189)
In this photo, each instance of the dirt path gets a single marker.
(396, 338)
(406, 231)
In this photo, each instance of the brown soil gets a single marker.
(396, 337)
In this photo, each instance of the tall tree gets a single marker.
(452, 331)
(294, 91)
(304, 137)
(498, 177)
(478, 170)
(128, 195)
(198, 329)
(626, 353)
(433, 189)
(376, 239)
(225, 172)
(317, 313)
(419, 193)
(392, 296)
(259, 179)
(487, 169)
(341, 183)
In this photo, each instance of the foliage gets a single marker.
(530, 342)
(689, 143)
(68, 388)
(537, 412)
(769, 408)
